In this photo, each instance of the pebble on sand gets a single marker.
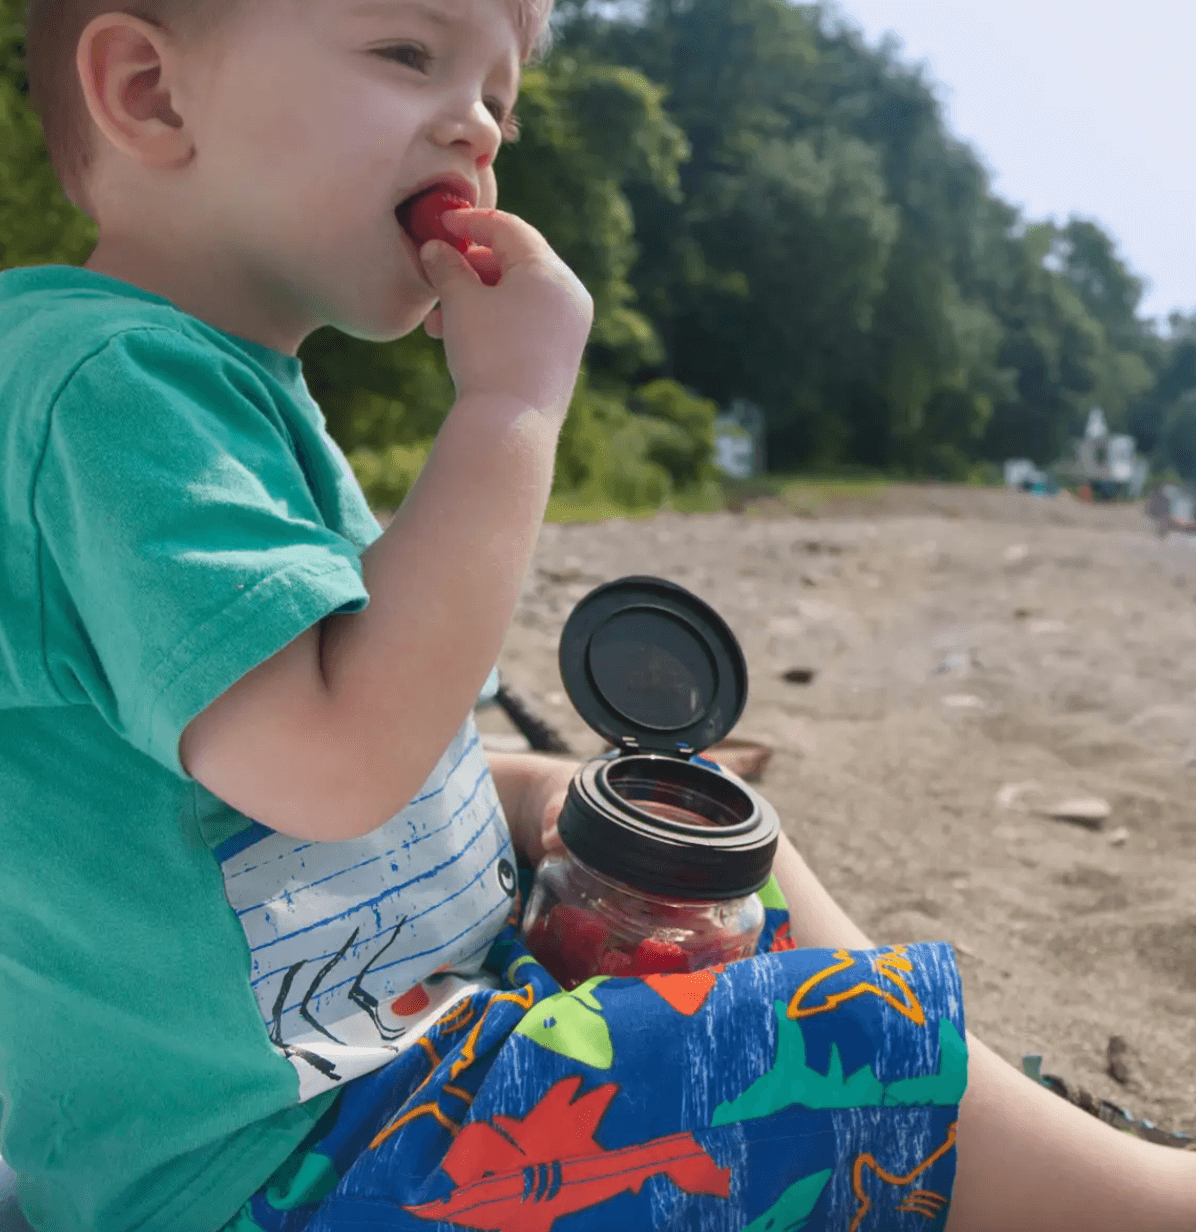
(1090, 811)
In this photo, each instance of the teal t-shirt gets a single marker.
(172, 513)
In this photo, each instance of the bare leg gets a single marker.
(1028, 1161)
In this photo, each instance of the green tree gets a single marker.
(1175, 367)
(837, 257)
(771, 261)
(1179, 435)
(38, 225)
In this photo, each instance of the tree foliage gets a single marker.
(838, 258)
(38, 226)
(1179, 435)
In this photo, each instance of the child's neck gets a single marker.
(205, 284)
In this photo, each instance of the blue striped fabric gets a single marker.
(357, 946)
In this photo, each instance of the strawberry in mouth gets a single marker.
(422, 217)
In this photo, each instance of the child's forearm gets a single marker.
(443, 581)
(512, 774)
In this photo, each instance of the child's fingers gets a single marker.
(434, 323)
(485, 264)
(445, 267)
(510, 239)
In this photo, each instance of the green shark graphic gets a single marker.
(792, 1081)
(791, 1210)
(771, 895)
(942, 1090)
(571, 1023)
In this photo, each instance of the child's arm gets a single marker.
(532, 788)
(334, 735)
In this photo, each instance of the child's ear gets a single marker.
(123, 64)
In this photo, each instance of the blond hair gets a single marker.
(52, 32)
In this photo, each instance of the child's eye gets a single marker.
(410, 54)
(507, 121)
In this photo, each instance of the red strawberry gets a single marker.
(422, 217)
(577, 936)
(578, 925)
(655, 957)
(535, 936)
(485, 264)
(616, 962)
(423, 220)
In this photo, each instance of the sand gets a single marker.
(979, 657)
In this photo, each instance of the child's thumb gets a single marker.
(444, 265)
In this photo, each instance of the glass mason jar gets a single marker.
(663, 857)
(579, 924)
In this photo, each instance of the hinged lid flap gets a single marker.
(644, 660)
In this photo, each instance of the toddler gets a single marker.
(259, 966)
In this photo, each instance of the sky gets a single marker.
(1082, 107)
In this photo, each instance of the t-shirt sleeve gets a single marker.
(182, 544)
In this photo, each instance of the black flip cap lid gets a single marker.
(645, 661)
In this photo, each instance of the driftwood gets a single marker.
(1103, 1109)
(537, 731)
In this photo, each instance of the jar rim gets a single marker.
(661, 856)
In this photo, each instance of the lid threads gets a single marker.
(726, 852)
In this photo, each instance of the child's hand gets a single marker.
(533, 830)
(522, 338)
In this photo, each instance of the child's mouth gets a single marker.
(421, 216)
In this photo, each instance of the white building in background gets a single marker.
(1023, 476)
(1102, 457)
(739, 435)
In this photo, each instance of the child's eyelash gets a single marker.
(411, 54)
(508, 121)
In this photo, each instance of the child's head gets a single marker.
(274, 139)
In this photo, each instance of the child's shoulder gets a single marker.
(59, 309)
(58, 322)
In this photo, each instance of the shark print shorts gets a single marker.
(799, 1089)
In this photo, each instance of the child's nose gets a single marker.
(478, 131)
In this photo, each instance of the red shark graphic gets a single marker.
(524, 1175)
(686, 993)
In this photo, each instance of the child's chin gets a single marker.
(386, 326)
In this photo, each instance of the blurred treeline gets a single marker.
(764, 208)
